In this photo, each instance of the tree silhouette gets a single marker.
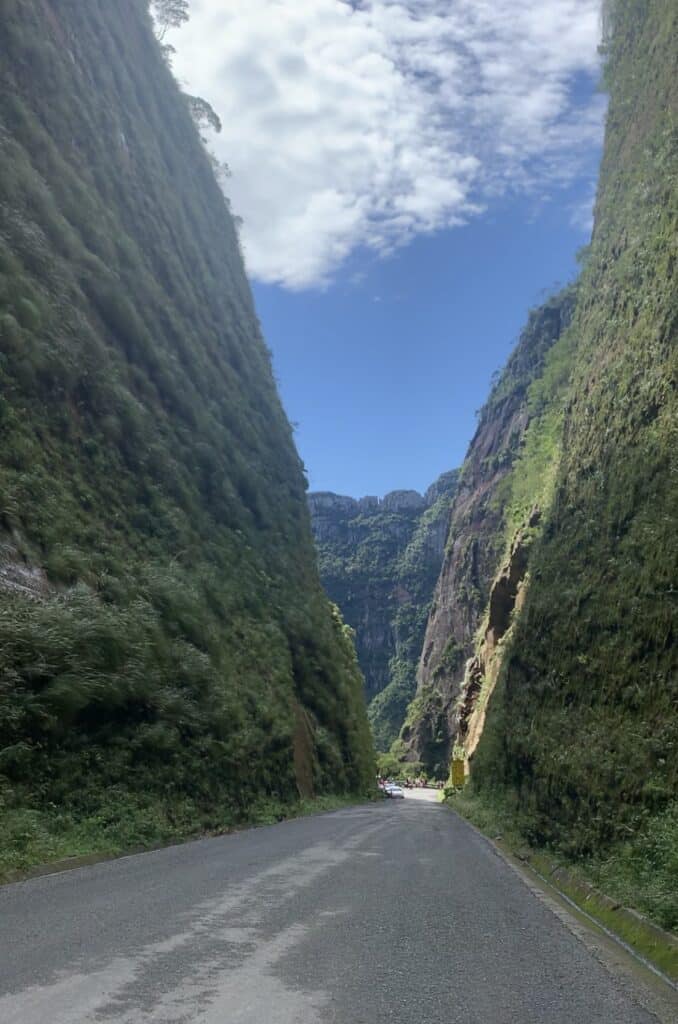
(204, 115)
(169, 14)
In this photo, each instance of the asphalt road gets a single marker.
(396, 912)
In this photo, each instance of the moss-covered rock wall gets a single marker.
(161, 618)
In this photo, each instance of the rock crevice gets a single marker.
(482, 670)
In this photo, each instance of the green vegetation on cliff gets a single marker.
(166, 652)
(379, 562)
(507, 470)
(581, 740)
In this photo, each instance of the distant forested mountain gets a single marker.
(378, 561)
(167, 657)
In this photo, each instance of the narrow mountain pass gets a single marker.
(395, 912)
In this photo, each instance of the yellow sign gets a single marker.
(458, 773)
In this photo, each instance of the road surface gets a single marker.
(394, 913)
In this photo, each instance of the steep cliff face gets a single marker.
(484, 513)
(378, 562)
(582, 732)
(162, 627)
(506, 600)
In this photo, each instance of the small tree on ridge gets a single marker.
(169, 14)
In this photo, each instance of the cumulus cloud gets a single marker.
(359, 125)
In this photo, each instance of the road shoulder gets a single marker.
(640, 981)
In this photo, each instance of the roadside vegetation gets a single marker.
(131, 821)
(640, 876)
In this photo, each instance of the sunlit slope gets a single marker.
(162, 629)
(582, 732)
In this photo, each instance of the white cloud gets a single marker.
(363, 124)
(581, 213)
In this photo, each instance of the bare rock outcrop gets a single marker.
(18, 576)
(482, 670)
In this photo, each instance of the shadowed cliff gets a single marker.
(167, 657)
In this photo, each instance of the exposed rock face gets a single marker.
(17, 576)
(506, 599)
(378, 561)
(476, 543)
(335, 516)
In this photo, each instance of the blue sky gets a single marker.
(384, 377)
(412, 176)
